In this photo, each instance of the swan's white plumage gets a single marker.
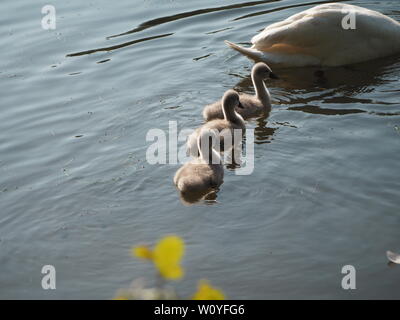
(316, 37)
(393, 257)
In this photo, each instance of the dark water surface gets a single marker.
(77, 192)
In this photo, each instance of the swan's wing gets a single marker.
(321, 27)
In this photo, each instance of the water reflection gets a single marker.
(156, 22)
(162, 20)
(326, 111)
(118, 46)
(202, 57)
(350, 80)
(262, 132)
(208, 196)
(305, 89)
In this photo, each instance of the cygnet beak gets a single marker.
(240, 105)
(273, 75)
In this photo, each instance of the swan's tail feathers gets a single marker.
(249, 52)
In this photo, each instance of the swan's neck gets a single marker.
(262, 92)
(215, 158)
(230, 114)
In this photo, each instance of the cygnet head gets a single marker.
(263, 71)
(230, 101)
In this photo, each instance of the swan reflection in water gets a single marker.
(304, 89)
(207, 197)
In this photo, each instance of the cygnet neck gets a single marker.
(213, 156)
(262, 92)
(229, 112)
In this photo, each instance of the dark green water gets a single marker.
(77, 192)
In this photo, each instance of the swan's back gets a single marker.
(197, 177)
(215, 124)
(221, 124)
(251, 108)
(318, 33)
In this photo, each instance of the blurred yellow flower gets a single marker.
(166, 256)
(206, 292)
(142, 252)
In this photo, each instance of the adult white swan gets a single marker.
(320, 37)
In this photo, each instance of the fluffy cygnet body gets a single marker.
(203, 173)
(250, 106)
(230, 122)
